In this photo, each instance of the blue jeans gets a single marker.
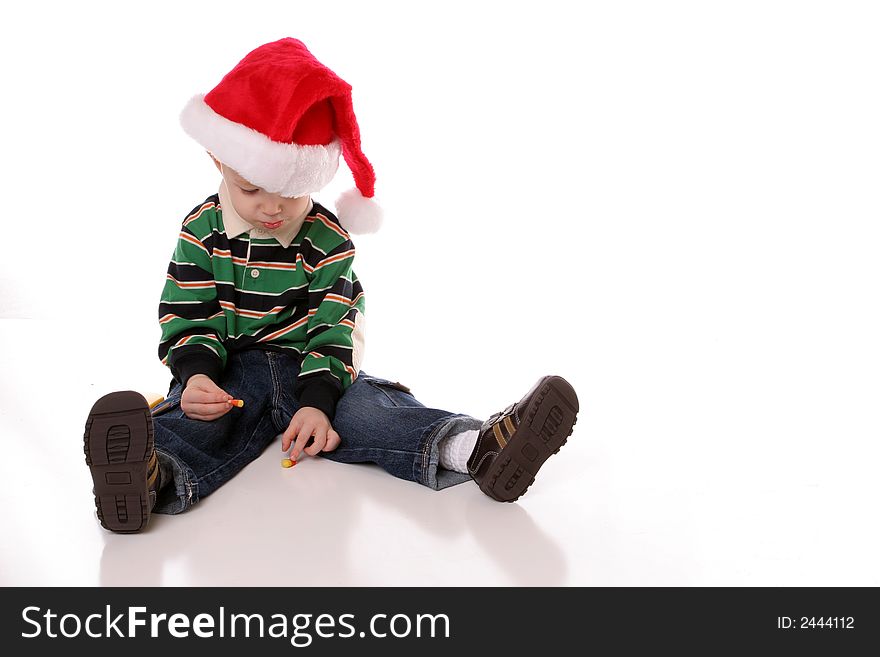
(376, 421)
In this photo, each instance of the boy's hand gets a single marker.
(307, 422)
(203, 399)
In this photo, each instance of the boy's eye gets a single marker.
(248, 191)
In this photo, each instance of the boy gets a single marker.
(262, 322)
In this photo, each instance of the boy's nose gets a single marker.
(272, 209)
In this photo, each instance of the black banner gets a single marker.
(421, 621)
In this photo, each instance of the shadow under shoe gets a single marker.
(118, 445)
(513, 444)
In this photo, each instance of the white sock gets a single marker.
(456, 450)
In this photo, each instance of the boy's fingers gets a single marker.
(208, 386)
(212, 407)
(333, 441)
(304, 434)
(318, 445)
(199, 396)
(207, 411)
(195, 415)
(289, 436)
(218, 396)
(203, 385)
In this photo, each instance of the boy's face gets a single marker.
(258, 207)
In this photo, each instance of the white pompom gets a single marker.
(357, 214)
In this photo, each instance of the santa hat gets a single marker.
(280, 118)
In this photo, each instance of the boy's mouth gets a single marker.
(273, 225)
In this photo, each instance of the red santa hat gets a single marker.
(280, 118)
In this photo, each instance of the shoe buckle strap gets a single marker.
(502, 426)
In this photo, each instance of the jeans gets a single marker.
(377, 422)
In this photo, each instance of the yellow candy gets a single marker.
(286, 463)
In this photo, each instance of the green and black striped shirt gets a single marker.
(224, 294)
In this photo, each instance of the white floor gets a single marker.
(619, 505)
(320, 523)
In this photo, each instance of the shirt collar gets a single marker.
(235, 225)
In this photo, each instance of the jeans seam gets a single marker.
(276, 380)
(277, 391)
(242, 369)
(381, 388)
(191, 483)
(408, 452)
(426, 449)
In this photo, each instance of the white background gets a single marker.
(673, 205)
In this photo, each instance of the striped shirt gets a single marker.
(227, 291)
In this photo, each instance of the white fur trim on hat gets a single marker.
(357, 214)
(286, 169)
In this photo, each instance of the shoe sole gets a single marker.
(544, 428)
(118, 442)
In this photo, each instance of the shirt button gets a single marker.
(255, 273)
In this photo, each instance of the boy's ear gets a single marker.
(216, 161)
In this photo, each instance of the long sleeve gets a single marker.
(192, 321)
(335, 331)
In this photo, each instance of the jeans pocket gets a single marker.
(170, 402)
(396, 385)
